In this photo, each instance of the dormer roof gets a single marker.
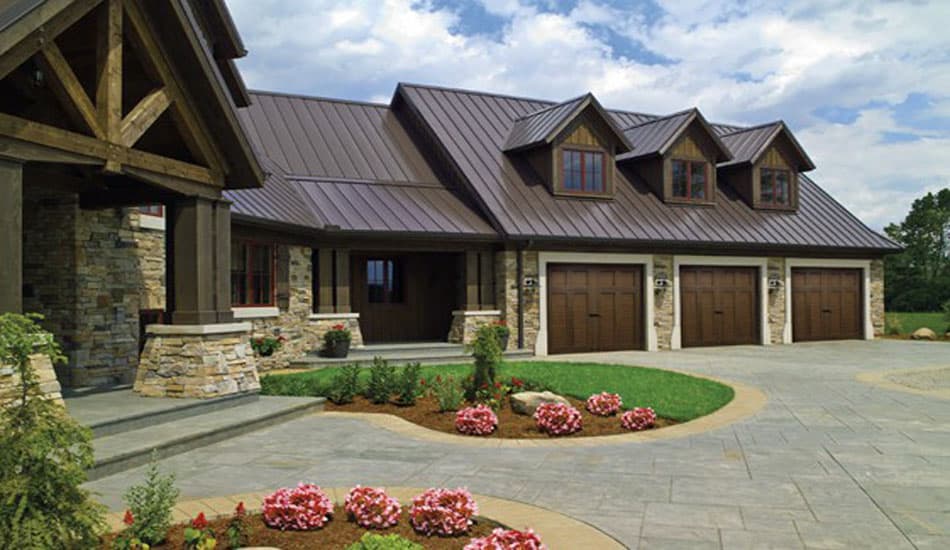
(541, 127)
(749, 144)
(655, 137)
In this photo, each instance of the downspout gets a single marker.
(519, 278)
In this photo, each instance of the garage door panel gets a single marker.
(827, 304)
(719, 305)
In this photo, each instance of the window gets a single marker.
(384, 281)
(583, 171)
(690, 180)
(252, 274)
(775, 187)
(156, 210)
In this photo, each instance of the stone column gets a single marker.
(11, 237)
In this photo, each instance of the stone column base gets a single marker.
(43, 367)
(320, 323)
(465, 323)
(197, 361)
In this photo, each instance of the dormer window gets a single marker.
(583, 171)
(774, 187)
(690, 180)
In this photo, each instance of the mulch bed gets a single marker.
(337, 534)
(510, 424)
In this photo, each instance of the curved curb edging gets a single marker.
(746, 401)
(556, 530)
(881, 379)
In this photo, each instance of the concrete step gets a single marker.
(122, 451)
(399, 358)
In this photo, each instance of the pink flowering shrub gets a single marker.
(557, 418)
(604, 404)
(477, 420)
(638, 419)
(442, 512)
(303, 508)
(372, 508)
(507, 539)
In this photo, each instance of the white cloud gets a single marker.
(742, 62)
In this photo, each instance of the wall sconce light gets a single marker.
(661, 282)
(530, 282)
(775, 282)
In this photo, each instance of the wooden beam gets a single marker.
(194, 132)
(17, 149)
(471, 280)
(143, 116)
(25, 47)
(69, 91)
(325, 280)
(109, 70)
(11, 237)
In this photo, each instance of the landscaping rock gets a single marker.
(923, 333)
(527, 401)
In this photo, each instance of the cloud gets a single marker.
(865, 85)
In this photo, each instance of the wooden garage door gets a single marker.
(594, 308)
(719, 305)
(826, 304)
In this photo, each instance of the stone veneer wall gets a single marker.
(663, 302)
(466, 323)
(506, 289)
(49, 385)
(776, 300)
(877, 296)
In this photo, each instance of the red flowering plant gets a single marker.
(198, 536)
(477, 420)
(603, 404)
(237, 527)
(303, 508)
(557, 418)
(337, 333)
(372, 508)
(443, 512)
(640, 418)
(126, 540)
(507, 539)
(265, 346)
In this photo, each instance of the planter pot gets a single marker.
(503, 342)
(337, 350)
(266, 353)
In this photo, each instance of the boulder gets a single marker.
(923, 333)
(527, 401)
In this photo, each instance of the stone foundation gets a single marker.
(466, 323)
(197, 361)
(43, 367)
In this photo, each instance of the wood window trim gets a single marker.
(707, 190)
(248, 244)
(606, 176)
(792, 191)
(154, 210)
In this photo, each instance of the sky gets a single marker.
(863, 84)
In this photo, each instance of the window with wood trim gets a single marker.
(384, 281)
(583, 171)
(775, 188)
(156, 210)
(690, 180)
(252, 274)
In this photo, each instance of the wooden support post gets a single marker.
(143, 116)
(486, 291)
(342, 281)
(194, 262)
(222, 262)
(471, 280)
(325, 278)
(11, 237)
(109, 74)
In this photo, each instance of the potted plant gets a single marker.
(265, 346)
(336, 341)
(502, 332)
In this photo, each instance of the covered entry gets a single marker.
(719, 305)
(594, 307)
(827, 304)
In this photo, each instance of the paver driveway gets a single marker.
(830, 462)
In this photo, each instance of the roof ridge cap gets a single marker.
(554, 106)
(659, 118)
(475, 92)
(292, 95)
(756, 127)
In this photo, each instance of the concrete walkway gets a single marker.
(830, 462)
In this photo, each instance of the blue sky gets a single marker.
(865, 85)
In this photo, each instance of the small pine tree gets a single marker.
(45, 454)
(151, 504)
(487, 353)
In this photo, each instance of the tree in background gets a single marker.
(918, 279)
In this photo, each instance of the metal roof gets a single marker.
(14, 10)
(542, 126)
(473, 127)
(749, 144)
(655, 137)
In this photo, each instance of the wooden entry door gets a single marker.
(594, 308)
(404, 297)
(827, 304)
(719, 306)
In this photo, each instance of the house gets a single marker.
(583, 228)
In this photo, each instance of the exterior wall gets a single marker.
(466, 323)
(663, 302)
(43, 367)
(776, 301)
(877, 296)
(506, 288)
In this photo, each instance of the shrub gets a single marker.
(447, 392)
(487, 354)
(44, 453)
(604, 404)
(407, 384)
(477, 420)
(502, 332)
(893, 327)
(303, 508)
(372, 508)
(337, 333)
(198, 536)
(151, 504)
(265, 346)
(345, 385)
(507, 539)
(372, 541)
(557, 418)
(638, 419)
(946, 313)
(442, 512)
(381, 380)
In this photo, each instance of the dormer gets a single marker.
(677, 156)
(571, 146)
(765, 166)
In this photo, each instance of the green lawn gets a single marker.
(909, 322)
(671, 394)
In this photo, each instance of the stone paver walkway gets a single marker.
(830, 462)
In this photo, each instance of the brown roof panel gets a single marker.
(655, 137)
(748, 144)
(543, 125)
